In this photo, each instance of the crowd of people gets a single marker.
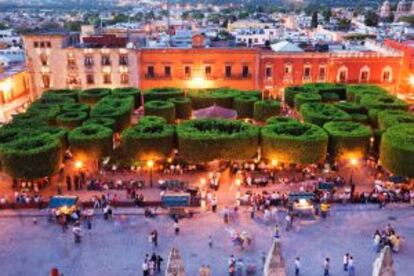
(387, 237)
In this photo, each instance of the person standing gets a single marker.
(326, 267)
(277, 234)
(351, 267)
(210, 241)
(288, 220)
(252, 211)
(155, 238)
(346, 261)
(176, 228)
(297, 266)
(145, 268)
(158, 262)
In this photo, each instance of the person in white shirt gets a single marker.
(351, 267)
(297, 266)
(346, 261)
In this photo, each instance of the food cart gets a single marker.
(302, 203)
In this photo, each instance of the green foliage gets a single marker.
(319, 113)
(102, 121)
(28, 119)
(90, 142)
(327, 88)
(306, 97)
(294, 143)
(222, 97)
(70, 93)
(265, 109)
(350, 107)
(32, 157)
(119, 109)
(148, 140)
(183, 108)
(329, 97)
(210, 139)
(388, 118)
(163, 93)
(397, 150)
(129, 91)
(280, 119)
(94, 95)
(152, 120)
(348, 139)
(355, 92)
(53, 99)
(360, 118)
(244, 105)
(164, 109)
(71, 119)
(75, 107)
(382, 102)
(290, 93)
(45, 111)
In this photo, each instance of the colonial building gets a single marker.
(58, 61)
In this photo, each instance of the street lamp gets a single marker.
(150, 165)
(353, 162)
(78, 164)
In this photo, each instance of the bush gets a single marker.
(162, 109)
(265, 109)
(47, 112)
(183, 109)
(206, 140)
(94, 95)
(319, 113)
(102, 121)
(350, 107)
(329, 97)
(27, 119)
(388, 118)
(360, 118)
(292, 91)
(328, 88)
(75, 107)
(148, 141)
(32, 157)
(397, 150)
(302, 98)
(222, 97)
(71, 119)
(162, 94)
(90, 142)
(382, 102)
(279, 119)
(294, 143)
(129, 91)
(244, 105)
(53, 99)
(348, 139)
(152, 120)
(355, 92)
(69, 93)
(118, 109)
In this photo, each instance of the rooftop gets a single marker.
(12, 69)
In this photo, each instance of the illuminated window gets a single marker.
(107, 79)
(46, 81)
(187, 71)
(124, 78)
(387, 74)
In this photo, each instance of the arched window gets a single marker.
(342, 74)
(386, 75)
(364, 74)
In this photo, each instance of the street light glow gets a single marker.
(150, 163)
(78, 164)
(353, 161)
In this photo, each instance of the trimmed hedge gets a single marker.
(27, 119)
(69, 93)
(355, 92)
(244, 105)
(164, 109)
(53, 99)
(129, 91)
(115, 108)
(206, 140)
(90, 142)
(382, 102)
(350, 107)
(294, 143)
(75, 107)
(328, 88)
(388, 118)
(47, 112)
(292, 91)
(102, 121)
(397, 150)
(148, 141)
(330, 97)
(32, 157)
(280, 119)
(152, 120)
(162, 94)
(319, 113)
(183, 107)
(360, 118)
(348, 139)
(302, 98)
(222, 97)
(265, 109)
(71, 119)
(94, 95)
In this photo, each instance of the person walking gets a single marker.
(210, 241)
(158, 262)
(155, 238)
(145, 268)
(326, 267)
(351, 267)
(288, 220)
(297, 266)
(277, 232)
(346, 261)
(176, 228)
(214, 204)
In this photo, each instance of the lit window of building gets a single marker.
(187, 71)
(342, 76)
(124, 79)
(107, 78)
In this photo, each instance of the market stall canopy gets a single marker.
(275, 263)
(384, 264)
(62, 201)
(175, 264)
(215, 111)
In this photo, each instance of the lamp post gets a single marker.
(150, 165)
(353, 162)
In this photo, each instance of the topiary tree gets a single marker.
(115, 108)
(162, 109)
(75, 107)
(183, 108)
(294, 143)
(129, 91)
(348, 139)
(148, 140)
(397, 150)
(280, 119)
(206, 140)
(382, 102)
(360, 118)
(306, 97)
(94, 95)
(329, 97)
(32, 157)
(319, 113)
(69, 93)
(102, 121)
(71, 119)
(28, 119)
(90, 142)
(265, 109)
(244, 105)
(162, 94)
(388, 118)
(355, 92)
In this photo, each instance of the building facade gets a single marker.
(58, 61)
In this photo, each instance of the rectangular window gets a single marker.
(42, 44)
(288, 69)
(207, 71)
(342, 76)
(228, 71)
(245, 71)
(268, 72)
(386, 76)
(46, 81)
(123, 60)
(306, 72)
(150, 72)
(124, 78)
(72, 80)
(322, 73)
(364, 76)
(187, 71)
(107, 79)
(106, 60)
(48, 44)
(71, 61)
(36, 44)
(90, 79)
(88, 61)
(167, 71)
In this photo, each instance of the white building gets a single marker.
(9, 37)
(254, 37)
